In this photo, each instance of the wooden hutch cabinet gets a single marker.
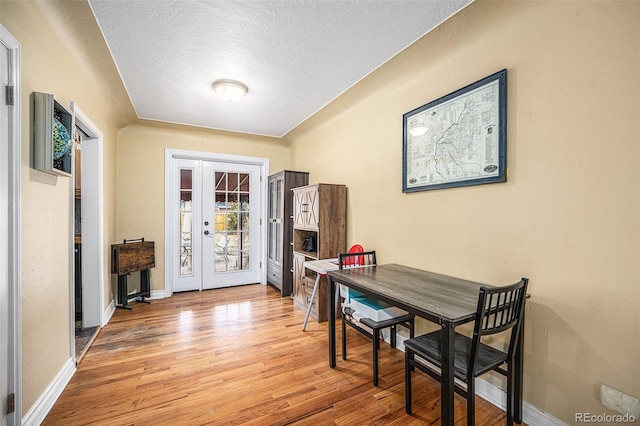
(280, 228)
(319, 232)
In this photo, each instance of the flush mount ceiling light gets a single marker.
(230, 90)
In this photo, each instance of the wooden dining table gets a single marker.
(445, 300)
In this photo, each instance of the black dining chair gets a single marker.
(373, 328)
(500, 309)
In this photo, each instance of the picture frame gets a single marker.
(53, 133)
(457, 140)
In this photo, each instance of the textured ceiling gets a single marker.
(295, 56)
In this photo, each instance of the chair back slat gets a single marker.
(499, 309)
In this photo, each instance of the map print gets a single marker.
(456, 140)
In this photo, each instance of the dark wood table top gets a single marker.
(426, 294)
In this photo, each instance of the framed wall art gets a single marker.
(459, 139)
(52, 135)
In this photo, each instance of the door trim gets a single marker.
(14, 242)
(93, 314)
(169, 238)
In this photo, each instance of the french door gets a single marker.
(217, 233)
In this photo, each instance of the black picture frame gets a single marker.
(457, 140)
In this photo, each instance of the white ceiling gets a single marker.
(295, 56)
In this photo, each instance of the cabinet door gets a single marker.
(306, 208)
(312, 210)
(275, 220)
(299, 290)
(299, 209)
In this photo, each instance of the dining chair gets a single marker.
(500, 310)
(372, 328)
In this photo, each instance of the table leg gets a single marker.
(122, 292)
(332, 322)
(447, 389)
(313, 297)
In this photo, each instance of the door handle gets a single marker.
(208, 234)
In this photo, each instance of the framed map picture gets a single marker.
(459, 139)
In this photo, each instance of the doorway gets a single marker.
(90, 259)
(10, 316)
(215, 206)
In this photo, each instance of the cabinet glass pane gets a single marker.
(278, 202)
(186, 225)
(278, 242)
(270, 239)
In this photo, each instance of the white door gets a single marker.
(217, 235)
(187, 229)
(4, 238)
(231, 224)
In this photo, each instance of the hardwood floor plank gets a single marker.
(238, 356)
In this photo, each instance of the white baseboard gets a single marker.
(39, 410)
(157, 294)
(108, 313)
(531, 415)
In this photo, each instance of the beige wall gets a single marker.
(56, 59)
(568, 217)
(141, 174)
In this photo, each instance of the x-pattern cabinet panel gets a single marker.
(319, 216)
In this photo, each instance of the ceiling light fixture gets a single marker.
(230, 90)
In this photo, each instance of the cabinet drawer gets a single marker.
(308, 283)
(274, 275)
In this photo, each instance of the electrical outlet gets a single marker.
(619, 401)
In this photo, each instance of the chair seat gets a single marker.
(428, 346)
(380, 324)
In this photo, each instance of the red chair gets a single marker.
(356, 248)
(350, 262)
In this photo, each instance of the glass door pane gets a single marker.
(186, 223)
(232, 202)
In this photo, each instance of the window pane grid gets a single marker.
(232, 205)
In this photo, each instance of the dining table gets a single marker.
(445, 300)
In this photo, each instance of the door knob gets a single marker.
(206, 232)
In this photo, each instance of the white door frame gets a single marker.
(14, 259)
(92, 211)
(170, 239)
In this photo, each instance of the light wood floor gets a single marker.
(239, 356)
